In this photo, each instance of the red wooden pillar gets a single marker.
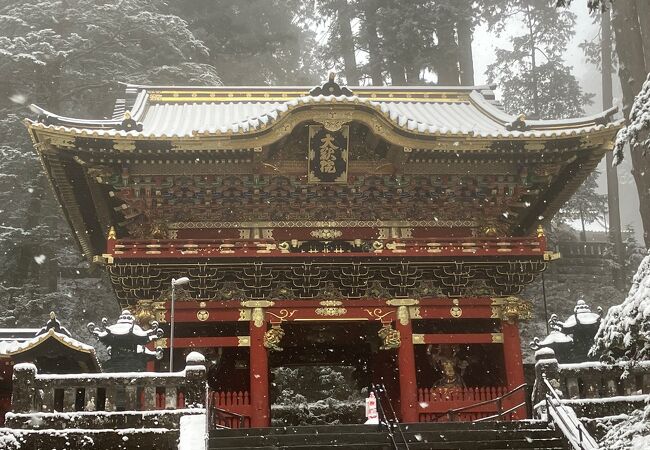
(513, 364)
(259, 376)
(151, 366)
(408, 390)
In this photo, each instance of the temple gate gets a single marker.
(411, 216)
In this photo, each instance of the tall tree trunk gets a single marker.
(533, 62)
(413, 75)
(374, 52)
(632, 73)
(612, 175)
(447, 68)
(347, 42)
(643, 12)
(397, 75)
(465, 58)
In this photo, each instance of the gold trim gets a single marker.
(403, 315)
(414, 312)
(330, 311)
(244, 314)
(402, 302)
(378, 313)
(330, 303)
(497, 338)
(551, 256)
(162, 342)
(283, 314)
(243, 341)
(418, 339)
(257, 317)
(202, 315)
(257, 303)
(160, 311)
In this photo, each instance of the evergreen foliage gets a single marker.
(533, 77)
(624, 334)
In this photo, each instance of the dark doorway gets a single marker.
(324, 371)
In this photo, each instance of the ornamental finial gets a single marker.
(111, 233)
(540, 231)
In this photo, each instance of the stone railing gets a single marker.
(137, 391)
(595, 388)
(584, 249)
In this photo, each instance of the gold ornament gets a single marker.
(273, 337)
(144, 313)
(202, 315)
(456, 311)
(390, 337)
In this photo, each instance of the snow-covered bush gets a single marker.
(636, 132)
(624, 333)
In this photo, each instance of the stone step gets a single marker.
(411, 427)
(300, 439)
(461, 435)
(431, 436)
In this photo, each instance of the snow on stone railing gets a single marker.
(121, 391)
(590, 380)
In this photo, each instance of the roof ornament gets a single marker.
(126, 342)
(53, 324)
(331, 88)
(128, 124)
(519, 124)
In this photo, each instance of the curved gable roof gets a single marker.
(156, 112)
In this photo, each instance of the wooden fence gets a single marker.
(435, 403)
(231, 402)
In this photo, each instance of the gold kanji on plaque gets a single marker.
(328, 154)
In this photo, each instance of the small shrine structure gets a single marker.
(387, 228)
(50, 348)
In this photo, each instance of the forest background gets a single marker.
(69, 56)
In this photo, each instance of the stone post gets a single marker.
(195, 379)
(24, 388)
(545, 363)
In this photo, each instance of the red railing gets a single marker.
(435, 403)
(231, 409)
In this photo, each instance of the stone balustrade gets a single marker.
(110, 392)
(610, 387)
(584, 249)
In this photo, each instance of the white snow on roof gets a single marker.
(10, 347)
(471, 115)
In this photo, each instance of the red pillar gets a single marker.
(408, 390)
(513, 364)
(259, 377)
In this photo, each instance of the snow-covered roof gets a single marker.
(187, 112)
(13, 347)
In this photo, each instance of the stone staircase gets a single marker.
(527, 435)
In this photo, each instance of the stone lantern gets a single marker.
(571, 339)
(126, 342)
(582, 325)
(556, 340)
